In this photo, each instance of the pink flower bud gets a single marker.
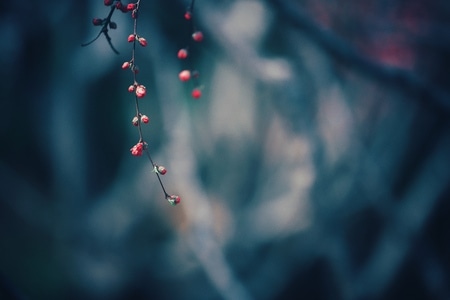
(131, 38)
(141, 91)
(182, 54)
(160, 170)
(197, 36)
(97, 21)
(142, 41)
(196, 93)
(131, 88)
(137, 149)
(184, 75)
(121, 7)
(126, 65)
(145, 119)
(135, 121)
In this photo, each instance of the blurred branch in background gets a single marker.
(314, 166)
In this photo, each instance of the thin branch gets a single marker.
(104, 30)
(108, 38)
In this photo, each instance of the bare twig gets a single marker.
(104, 30)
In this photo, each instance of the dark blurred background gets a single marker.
(315, 166)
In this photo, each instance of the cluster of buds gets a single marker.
(120, 6)
(183, 55)
(142, 118)
(139, 90)
(106, 23)
(133, 37)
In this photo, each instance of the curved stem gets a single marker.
(104, 30)
(136, 101)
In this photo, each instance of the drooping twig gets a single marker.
(106, 22)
